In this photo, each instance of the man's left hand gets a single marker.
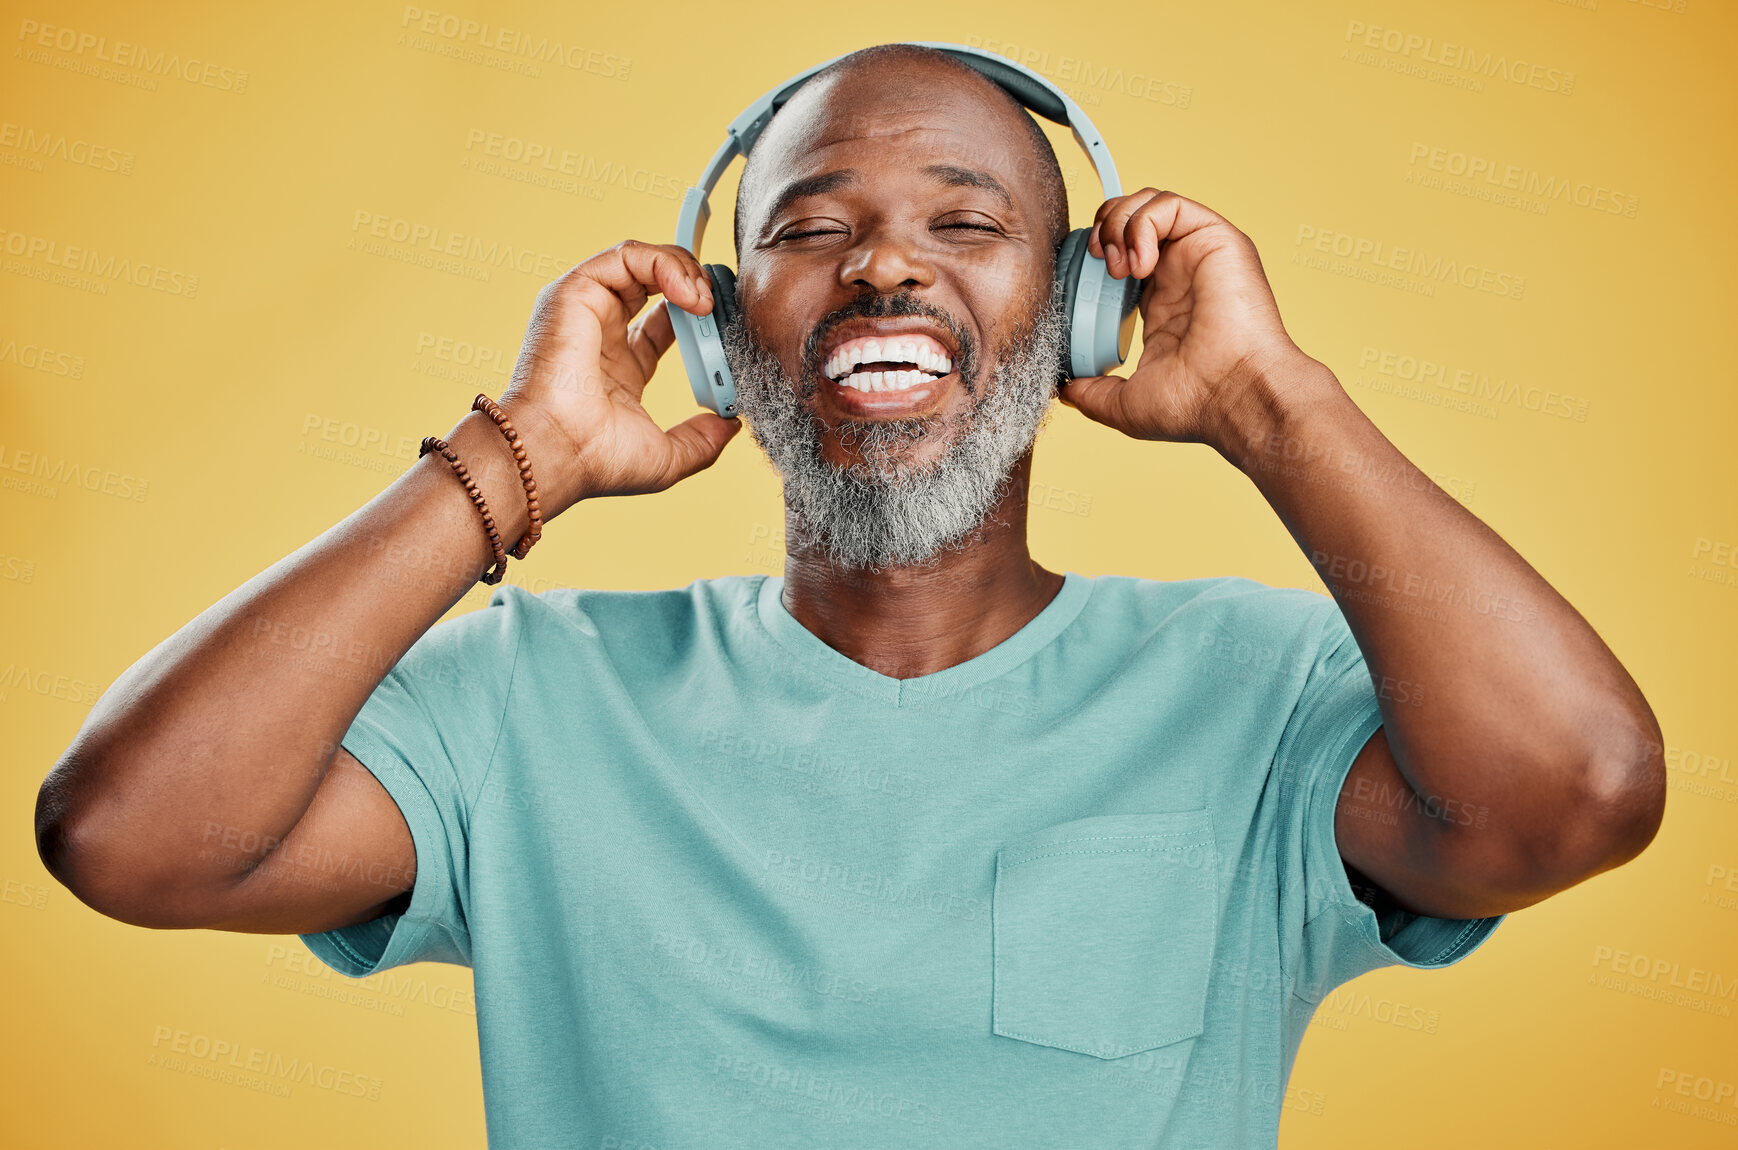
(1210, 330)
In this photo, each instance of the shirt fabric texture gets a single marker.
(718, 884)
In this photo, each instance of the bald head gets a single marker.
(882, 89)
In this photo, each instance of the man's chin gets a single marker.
(884, 450)
(878, 492)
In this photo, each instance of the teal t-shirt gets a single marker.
(718, 884)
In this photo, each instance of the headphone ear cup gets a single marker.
(1130, 307)
(709, 369)
(1100, 308)
(1069, 259)
(723, 295)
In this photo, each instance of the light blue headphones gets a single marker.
(1100, 309)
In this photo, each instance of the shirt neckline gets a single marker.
(806, 647)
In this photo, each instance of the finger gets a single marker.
(1092, 241)
(634, 270)
(696, 443)
(1112, 229)
(650, 337)
(1098, 397)
(672, 269)
(1142, 238)
(1163, 219)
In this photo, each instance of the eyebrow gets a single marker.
(948, 175)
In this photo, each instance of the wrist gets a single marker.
(489, 459)
(1268, 399)
(552, 453)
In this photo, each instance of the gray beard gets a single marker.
(887, 511)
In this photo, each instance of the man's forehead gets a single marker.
(937, 112)
(948, 139)
(918, 141)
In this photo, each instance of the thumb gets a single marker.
(1098, 397)
(696, 443)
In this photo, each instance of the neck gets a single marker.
(909, 621)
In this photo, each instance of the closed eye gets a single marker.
(835, 231)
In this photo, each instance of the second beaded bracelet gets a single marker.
(535, 531)
(435, 443)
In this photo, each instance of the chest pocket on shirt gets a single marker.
(1103, 932)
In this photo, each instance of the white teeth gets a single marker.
(884, 380)
(892, 350)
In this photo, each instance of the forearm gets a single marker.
(1494, 692)
(233, 720)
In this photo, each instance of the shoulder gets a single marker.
(601, 608)
(644, 620)
(1221, 607)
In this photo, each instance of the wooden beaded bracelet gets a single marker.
(435, 443)
(535, 531)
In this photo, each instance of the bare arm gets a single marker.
(1498, 700)
(213, 763)
(1514, 757)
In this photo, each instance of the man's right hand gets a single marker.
(576, 389)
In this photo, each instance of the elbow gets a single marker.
(56, 814)
(73, 850)
(1604, 807)
(1612, 811)
(1610, 814)
(1624, 792)
(81, 844)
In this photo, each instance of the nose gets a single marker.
(887, 262)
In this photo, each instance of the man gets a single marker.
(921, 844)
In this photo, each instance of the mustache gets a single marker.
(876, 305)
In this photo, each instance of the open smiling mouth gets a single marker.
(898, 375)
(892, 363)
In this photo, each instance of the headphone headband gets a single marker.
(1031, 90)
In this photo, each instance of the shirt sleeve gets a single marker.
(1331, 936)
(428, 733)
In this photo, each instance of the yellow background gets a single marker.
(273, 401)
